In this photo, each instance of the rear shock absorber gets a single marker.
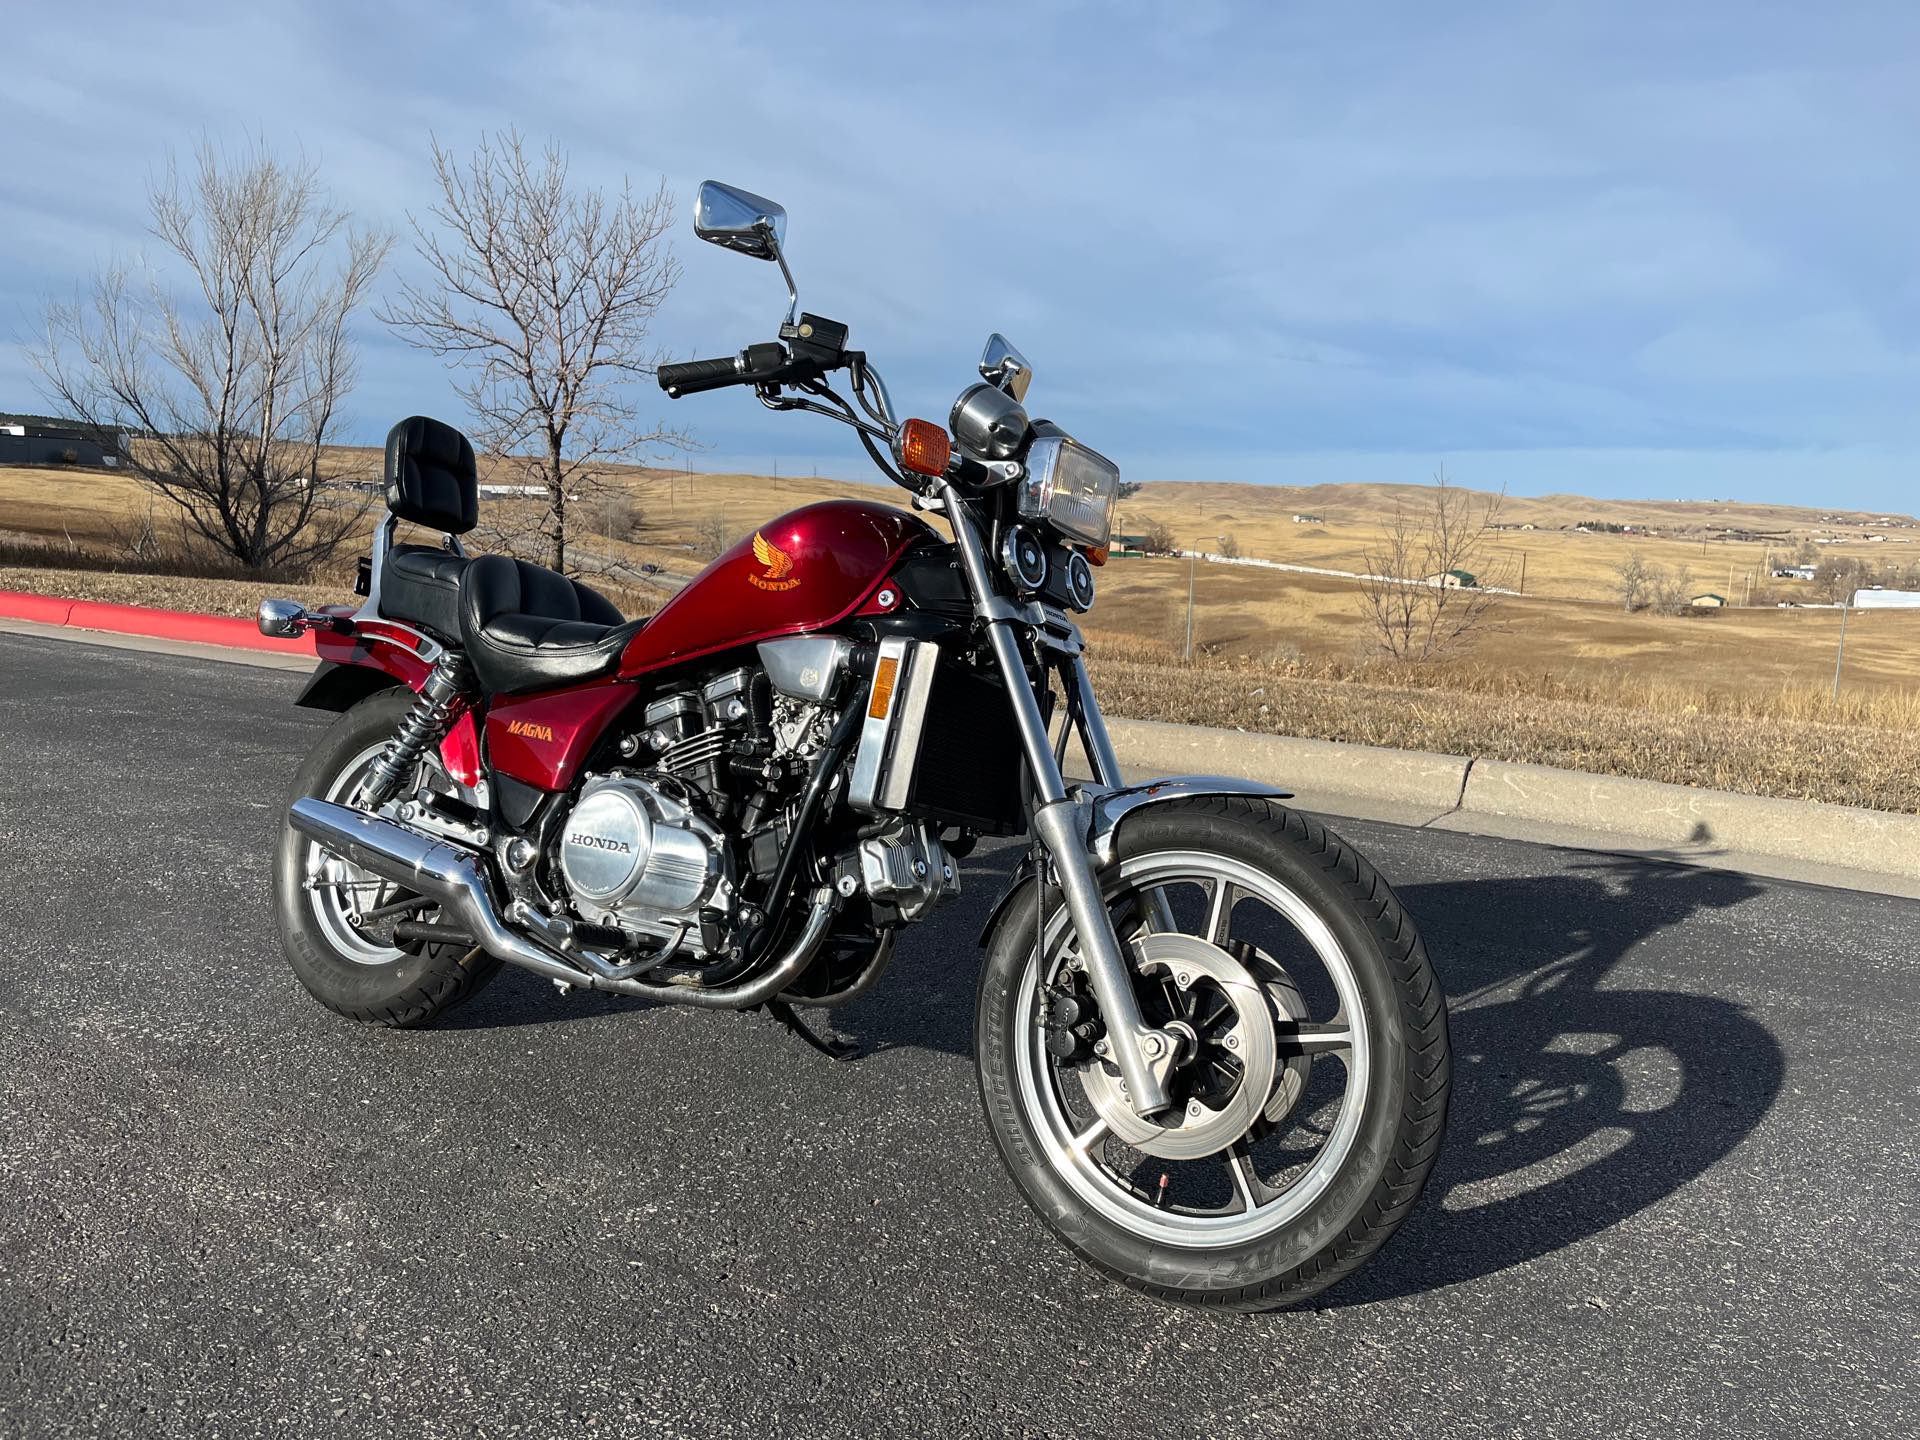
(434, 710)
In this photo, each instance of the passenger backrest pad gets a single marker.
(431, 477)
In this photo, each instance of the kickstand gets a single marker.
(832, 1049)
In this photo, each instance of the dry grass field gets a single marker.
(1559, 562)
(1737, 699)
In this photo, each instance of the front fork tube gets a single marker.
(1086, 717)
(1061, 824)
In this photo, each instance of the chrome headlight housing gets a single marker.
(1072, 488)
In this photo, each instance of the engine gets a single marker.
(631, 854)
(688, 832)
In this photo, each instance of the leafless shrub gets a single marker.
(235, 389)
(1157, 539)
(1228, 546)
(712, 536)
(1671, 590)
(612, 513)
(544, 294)
(1429, 583)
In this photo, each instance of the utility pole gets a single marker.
(1523, 572)
(1840, 655)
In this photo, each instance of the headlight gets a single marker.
(1073, 488)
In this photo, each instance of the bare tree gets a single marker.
(545, 294)
(1431, 582)
(712, 535)
(1157, 538)
(234, 390)
(1836, 577)
(1229, 547)
(1672, 590)
(1634, 581)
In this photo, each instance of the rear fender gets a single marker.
(372, 655)
(380, 655)
(1107, 809)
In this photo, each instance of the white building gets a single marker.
(1886, 599)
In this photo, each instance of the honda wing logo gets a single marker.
(779, 565)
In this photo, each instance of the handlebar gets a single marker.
(690, 377)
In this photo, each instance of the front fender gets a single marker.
(1107, 807)
(1111, 806)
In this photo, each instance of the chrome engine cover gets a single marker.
(909, 869)
(629, 852)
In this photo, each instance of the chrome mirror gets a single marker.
(1004, 366)
(739, 220)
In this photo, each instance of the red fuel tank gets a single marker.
(807, 570)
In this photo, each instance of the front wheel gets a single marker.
(1311, 1071)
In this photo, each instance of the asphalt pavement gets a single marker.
(1679, 1194)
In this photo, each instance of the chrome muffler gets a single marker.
(453, 876)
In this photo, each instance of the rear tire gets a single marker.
(1272, 1246)
(361, 977)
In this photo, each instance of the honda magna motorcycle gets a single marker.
(1211, 1049)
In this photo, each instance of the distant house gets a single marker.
(1129, 545)
(1709, 601)
(1455, 580)
(1305, 519)
(48, 440)
(1793, 572)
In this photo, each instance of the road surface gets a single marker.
(1678, 1194)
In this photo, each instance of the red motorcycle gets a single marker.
(1209, 1043)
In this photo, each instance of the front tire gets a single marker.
(356, 970)
(1333, 991)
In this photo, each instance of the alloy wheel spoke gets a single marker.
(1220, 912)
(1092, 1135)
(1306, 1038)
(1246, 1183)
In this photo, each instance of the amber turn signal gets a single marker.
(881, 699)
(924, 448)
(1097, 555)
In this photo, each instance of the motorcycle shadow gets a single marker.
(1575, 1104)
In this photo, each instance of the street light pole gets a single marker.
(1840, 655)
(1190, 564)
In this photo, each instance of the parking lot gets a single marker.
(1678, 1195)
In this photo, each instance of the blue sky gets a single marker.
(1619, 249)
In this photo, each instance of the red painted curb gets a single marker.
(143, 620)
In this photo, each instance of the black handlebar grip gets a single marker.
(692, 376)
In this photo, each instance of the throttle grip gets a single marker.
(690, 377)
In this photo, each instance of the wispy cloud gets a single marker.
(1637, 248)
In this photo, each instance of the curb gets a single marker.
(184, 625)
(1688, 822)
(1681, 815)
(1413, 778)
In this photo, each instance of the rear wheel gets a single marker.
(336, 920)
(1310, 1084)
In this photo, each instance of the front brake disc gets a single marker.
(1242, 1036)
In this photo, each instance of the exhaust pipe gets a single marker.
(453, 877)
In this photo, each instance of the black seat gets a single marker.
(528, 628)
(431, 480)
(420, 585)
